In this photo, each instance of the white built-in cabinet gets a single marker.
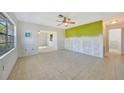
(87, 45)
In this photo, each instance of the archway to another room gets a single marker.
(114, 38)
(47, 41)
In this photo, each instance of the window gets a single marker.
(6, 34)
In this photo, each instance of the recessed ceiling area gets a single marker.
(114, 20)
(49, 18)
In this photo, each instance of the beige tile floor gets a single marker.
(67, 65)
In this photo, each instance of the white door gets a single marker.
(115, 41)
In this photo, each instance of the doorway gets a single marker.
(114, 44)
(47, 41)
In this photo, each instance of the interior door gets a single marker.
(115, 41)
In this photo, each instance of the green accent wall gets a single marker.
(90, 29)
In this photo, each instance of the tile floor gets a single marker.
(67, 65)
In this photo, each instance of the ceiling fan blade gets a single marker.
(69, 19)
(60, 16)
(60, 24)
(58, 21)
(65, 20)
(71, 22)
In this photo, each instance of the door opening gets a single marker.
(114, 37)
(47, 41)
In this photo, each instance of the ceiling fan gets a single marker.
(66, 21)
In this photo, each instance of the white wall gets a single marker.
(86, 45)
(61, 39)
(42, 39)
(10, 59)
(115, 41)
(31, 46)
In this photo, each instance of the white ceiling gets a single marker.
(49, 18)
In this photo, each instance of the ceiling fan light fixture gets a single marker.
(65, 23)
(114, 21)
(60, 16)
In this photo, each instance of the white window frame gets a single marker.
(15, 34)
